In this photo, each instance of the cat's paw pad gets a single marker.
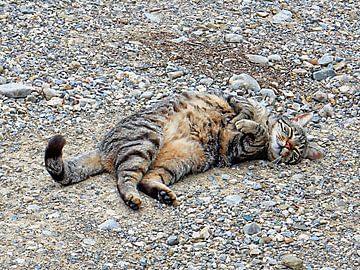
(167, 197)
(133, 201)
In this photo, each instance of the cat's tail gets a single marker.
(72, 170)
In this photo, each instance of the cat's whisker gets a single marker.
(277, 160)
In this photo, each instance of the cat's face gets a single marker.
(288, 141)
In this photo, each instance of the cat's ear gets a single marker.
(302, 119)
(314, 151)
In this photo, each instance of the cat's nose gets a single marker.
(288, 145)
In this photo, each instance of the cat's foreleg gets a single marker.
(257, 134)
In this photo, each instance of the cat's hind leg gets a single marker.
(175, 160)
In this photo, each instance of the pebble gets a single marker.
(225, 177)
(326, 59)
(172, 240)
(175, 74)
(251, 228)
(233, 199)
(292, 262)
(55, 101)
(109, 225)
(15, 90)
(324, 74)
(206, 81)
(152, 17)
(89, 241)
(244, 81)
(258, 59)
(274, 58)
(255, 252)
(233, 38)
(320, 96)
(268, 94)
(327, 111)
(282, 17)
(146, 94)
(2, 80)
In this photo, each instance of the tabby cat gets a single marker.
(186, 134)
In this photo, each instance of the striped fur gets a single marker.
(182, 135)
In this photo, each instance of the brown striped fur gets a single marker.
(182, 135)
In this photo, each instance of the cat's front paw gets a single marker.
(246, 126)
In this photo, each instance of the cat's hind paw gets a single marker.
(168, 197)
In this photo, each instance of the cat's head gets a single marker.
(288, 141)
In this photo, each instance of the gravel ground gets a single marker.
(81, 65)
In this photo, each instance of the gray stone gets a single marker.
(320, 96)
(233, 199)
(172, 240)
(268, 94)
(2, 80)
(274, 57)
(147, 94)
(244, 81)
(206, 81)
(225, 177)
(327, 111)
(15, 90)
(251, 228)
(89, 241)
(326, 59)
(233, 38)
(175, 74)
(324, 74)
(109, 225)
(282, 17)
(292, 262)
(152, 17)
(258, 59)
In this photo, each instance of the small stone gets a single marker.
(320, 96)
(89, 241)
(109, 225)
(258, 59)
(251, 228)
(324, 74)
(33, 207)
(327, 268)
(255, 252)
(343, 89)
(262, 14)
(225, 177)
(256, 186)
(2, 80)
(233, 38)
(248, 218)
(326, 59)
(152, 17)
(300, 71)
(175, 74)
(15, 90)
(55, 101)
(74, 65)
(292, 262)
(282, 17)
(172, 240)
(233, 199)
(274, 58)
(206, 81)
(327, 111)
(244, 81)
(146, 94)
(288, 94)
(268, 94)
(205, 233)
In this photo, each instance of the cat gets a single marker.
(186, 134)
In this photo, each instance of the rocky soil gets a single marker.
(76, 67)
